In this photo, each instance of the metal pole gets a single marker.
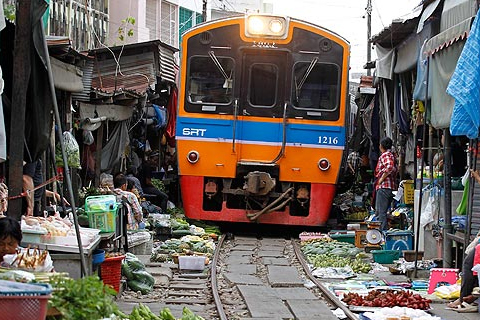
(65, 164)
(21, 65)
(369, 33)
(417, 237)
(447, 185)
(471, 187)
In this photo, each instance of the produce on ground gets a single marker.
(390, 298)
(325, 252)
(138, 279)
(143, 312)
(187, 245)
(331, 260)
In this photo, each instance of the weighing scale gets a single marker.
(374, 238)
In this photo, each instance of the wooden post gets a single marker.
(21, 65)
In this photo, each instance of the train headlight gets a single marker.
(193, 156)
(263, 26)
(324, 164)
(276, 26)
(255, 25)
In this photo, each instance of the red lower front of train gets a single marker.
(320, 204)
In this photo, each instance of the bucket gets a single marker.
(98, 256)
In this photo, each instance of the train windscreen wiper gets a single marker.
(228, 79)
(299, 86)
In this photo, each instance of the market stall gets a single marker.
(58, 237)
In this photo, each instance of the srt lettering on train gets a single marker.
(194, 132)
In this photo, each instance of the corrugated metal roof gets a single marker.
(138, 67)
(87, 70)
(61, 48)
(395, 33)
(167, 65)
(133, 73)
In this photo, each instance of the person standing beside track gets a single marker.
(385, 176)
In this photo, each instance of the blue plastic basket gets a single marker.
(12, 288)
(20, 301)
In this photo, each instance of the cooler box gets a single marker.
(398, 240)
(102, 212)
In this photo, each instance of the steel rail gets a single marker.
(327, 293)
(213, 280)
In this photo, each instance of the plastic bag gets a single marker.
(448, 292)
(465, 177)
(462, 206)
(72, 151)
(138, 279)
(88, 137)
(430, 207)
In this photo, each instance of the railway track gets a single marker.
(248, 278)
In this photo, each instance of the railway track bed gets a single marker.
(248, 279)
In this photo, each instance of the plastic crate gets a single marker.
(399, 240)
(28, 304)
(408, 191)
(102, 212)
(100, 203)
(111, 271)
(348, 237)
(103, 220)
(385, 256)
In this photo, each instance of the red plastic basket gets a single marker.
(18, 307)
(111, 271)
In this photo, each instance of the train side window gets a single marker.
(316, 86)
(206, 81)
(263, 84)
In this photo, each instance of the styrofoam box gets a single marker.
(191, 262)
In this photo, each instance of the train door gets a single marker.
(262, 96)
(263, 84)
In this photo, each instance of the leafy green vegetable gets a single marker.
(157, 183)
(85, 298)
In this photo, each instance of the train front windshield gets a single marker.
(210, 80)
(316, 86)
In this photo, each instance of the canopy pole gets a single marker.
(471, 187)
(447, 185)
(417, 237)
(20, 79)
(65, 163)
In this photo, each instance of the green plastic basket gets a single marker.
(385, 256)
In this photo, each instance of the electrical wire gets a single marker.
(374, 5)
(118, 69)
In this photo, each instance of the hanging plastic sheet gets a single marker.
(430, 206)
(161, 115)
(114, 150)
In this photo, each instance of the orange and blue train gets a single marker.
(262, 120)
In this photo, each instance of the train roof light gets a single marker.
(263, 26)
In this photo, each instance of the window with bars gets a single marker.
(168, 24)
(151, 18)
